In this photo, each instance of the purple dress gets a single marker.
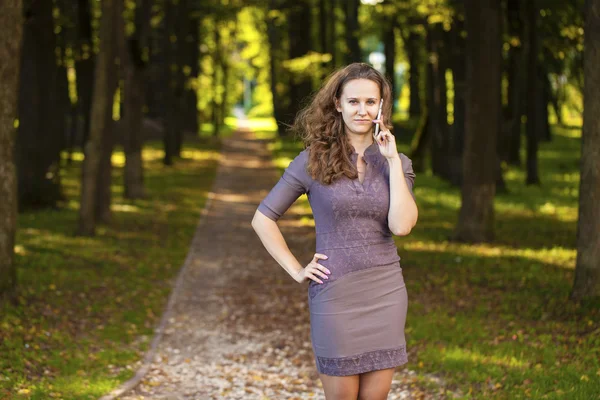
(357, 316)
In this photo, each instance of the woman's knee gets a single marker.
(373, 393)
(340, 387)
(375, 385)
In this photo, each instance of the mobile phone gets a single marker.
(376, 132)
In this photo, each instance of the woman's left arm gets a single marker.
(403, 213)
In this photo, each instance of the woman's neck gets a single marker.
(360, 142)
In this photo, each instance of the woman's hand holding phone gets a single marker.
(384, 138)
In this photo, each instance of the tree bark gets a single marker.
(38, 142)
(101, 112)
(133, 99)
(274, 37)
(192, 56)
(532, 89)
(437, 102)
(484, 44)
(587, 270)
(109, 138)
(351, 30)
(510, 147)
(457, 130)
(85, 65)
(217, 65)
(299, 35)
(170, 109)
(389, 45)
(411, 47)
(10, 47)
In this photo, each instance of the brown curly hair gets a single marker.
(321, 126)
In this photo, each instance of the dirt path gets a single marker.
(239, 326)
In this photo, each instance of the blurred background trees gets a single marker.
(476, 86)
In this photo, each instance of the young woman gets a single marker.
(360, 191)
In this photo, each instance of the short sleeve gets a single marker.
(294, 182)
(409, 174)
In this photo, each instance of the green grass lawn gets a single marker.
(494, 320)
(88, 306)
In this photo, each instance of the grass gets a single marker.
(88, 306)
(494, 320)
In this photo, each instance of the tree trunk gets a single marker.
(274, 36)
(389, 45)
(101, 114)
(532, 89)
(437, 101)
(420, 142)
(85, 65)
(38, 142)
(133, 99)
(109, 138)
(192, 56)
(217, 65)
(299, 34)
(510, 147)
(412, 53)
(459, 77)
(543, 99)
(170, 109)
(352, 30)
(10, 47)
(587, 270)
(484, 43)
(333, 35)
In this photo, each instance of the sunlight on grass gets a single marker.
(457, 354)
(559, 256)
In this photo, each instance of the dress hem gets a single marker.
(365, 362)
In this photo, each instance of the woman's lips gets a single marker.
(363, 121)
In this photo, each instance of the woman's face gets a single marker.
(359, 104)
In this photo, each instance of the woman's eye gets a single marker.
(352, 101)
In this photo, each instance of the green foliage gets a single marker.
(88, 306)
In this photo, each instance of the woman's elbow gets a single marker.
(259, 220)
(401, 231)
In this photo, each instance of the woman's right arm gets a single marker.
(271, 237)
(293, 183)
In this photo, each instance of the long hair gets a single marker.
(321, 126)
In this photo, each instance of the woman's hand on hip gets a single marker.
(313, 270)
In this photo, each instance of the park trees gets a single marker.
(10, 47)
(587, 272)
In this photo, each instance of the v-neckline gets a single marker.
(361, 187)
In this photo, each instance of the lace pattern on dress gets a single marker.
(370, 361)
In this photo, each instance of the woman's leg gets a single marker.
(340, 387)
(375, 385)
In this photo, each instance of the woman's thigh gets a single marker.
(375, 385)
(340, 387)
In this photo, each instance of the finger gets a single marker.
(382, 126)
(319, 256)
(322, 268)
(312, 277)
(315, 271)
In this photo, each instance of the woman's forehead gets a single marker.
(361, 88)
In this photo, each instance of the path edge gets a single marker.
(160, 329)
